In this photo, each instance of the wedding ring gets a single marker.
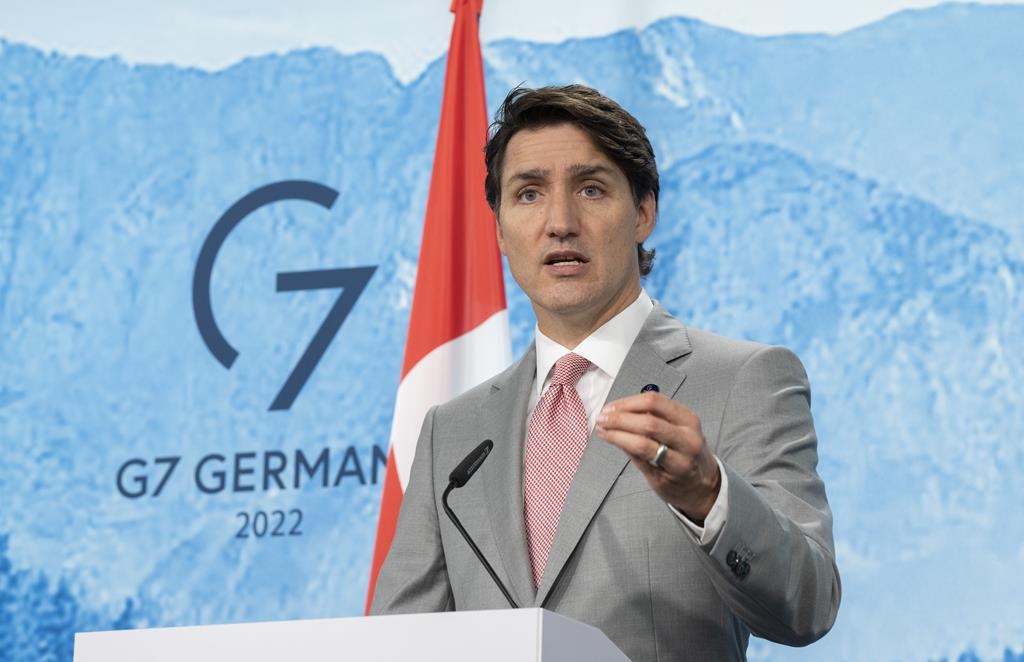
(659, 456)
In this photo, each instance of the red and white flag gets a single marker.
(458, 327)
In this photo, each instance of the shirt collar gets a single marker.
(606, 347)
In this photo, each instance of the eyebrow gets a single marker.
(576, 170)
(586, 170)
(529, 175)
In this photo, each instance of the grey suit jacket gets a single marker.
(621, 560)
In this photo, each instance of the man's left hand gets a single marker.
(687, 477)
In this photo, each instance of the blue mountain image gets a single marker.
(904, 317)
(924, 101)
(848, 196)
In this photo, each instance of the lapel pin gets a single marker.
(650, 387)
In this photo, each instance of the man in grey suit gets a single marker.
(682, 515)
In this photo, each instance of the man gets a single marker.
(653, 480)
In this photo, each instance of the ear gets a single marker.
(646, 217)
(501, 236)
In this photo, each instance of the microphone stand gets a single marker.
(476, 550)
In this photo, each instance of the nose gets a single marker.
(562, 218)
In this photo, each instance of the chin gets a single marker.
(568, 301)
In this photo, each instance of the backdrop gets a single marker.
(854, 196)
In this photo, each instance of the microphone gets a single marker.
(459, 476)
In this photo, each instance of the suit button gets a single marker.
(732, 559)
(650, 387)
(742, 570)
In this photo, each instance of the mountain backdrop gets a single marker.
(855, 197)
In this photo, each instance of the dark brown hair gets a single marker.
(614, 131)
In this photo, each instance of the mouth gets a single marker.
(565, 258)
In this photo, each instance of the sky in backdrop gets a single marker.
(213, 34)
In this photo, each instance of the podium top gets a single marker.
(506, 635)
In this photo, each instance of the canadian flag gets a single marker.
(458, 327)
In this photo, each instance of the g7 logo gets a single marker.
(352, 282)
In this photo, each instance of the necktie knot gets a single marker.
(569, 369)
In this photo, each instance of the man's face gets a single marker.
(569, 226)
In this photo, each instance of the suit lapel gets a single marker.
(503, 420)
(661, 340)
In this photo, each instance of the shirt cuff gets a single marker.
(713, 523)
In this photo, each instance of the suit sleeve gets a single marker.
(414, 577)
(773, 562)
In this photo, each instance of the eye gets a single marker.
(527, 195)
(592, 191)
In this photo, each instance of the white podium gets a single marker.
(507, 635)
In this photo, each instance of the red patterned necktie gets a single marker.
(555, 443)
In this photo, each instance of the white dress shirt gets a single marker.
(606, 349)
